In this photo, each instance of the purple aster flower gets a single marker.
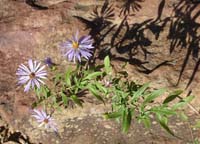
(32, 75)
(44, 119)
(76, 48)
(48, 62)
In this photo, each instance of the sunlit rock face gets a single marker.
(27, 32)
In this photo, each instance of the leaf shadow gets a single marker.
(183, 33)
(131, 40)
(130, 6)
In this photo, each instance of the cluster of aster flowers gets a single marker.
(32, 74)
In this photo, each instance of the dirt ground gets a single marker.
(88, 127)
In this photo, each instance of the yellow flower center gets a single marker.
(32, 75)
(75, 45)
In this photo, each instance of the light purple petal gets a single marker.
(30, 64)
(84, 39)
(76, 36)
(44, 114)
(23, 79)
(39, 70)
(38, 112)
(27, 87)
(40, 74)
(36, 83)
(32, 83)
(37, 66)
(23, 67)
(38, 117)
(40, 81)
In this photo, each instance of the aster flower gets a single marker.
(32, 75)
(44, 119)
(48, 62)
(76, 48)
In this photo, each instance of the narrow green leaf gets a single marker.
(47, 92)
(76, 81)
(124, 73)
(101, 87)
(140, 91)
(147, 122)
(92, 75)
(172, 96)
(107, 64)
(126, 120)
(183, 116)
(76, 100)
(165, 126)
(38, 92)
(163, 111)
(197, 125)
(94, 91)
(188, 99)
(83, 83)
(113, 115)
(57, 78)
(64, 99)
(68, 76)
(183, 102)
(153, 95)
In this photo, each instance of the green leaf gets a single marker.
(38, 92)
(183, 102)
(163, 111)
(101, 87)
(76, 100)
(153, 95)
(172, 96)
(64, 99)
(139, 92)
(188, 99)
(47, 92)
(163, 123)
(57, 77)
(183, 116)
(95, 92)
(113, 115)
(147, 122)
(197, 125)
(107, 64)
(83, 84)
(76, 81)
(92, 75)
(68, 76)
(124, 73)
(126, 120)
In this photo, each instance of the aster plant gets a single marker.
(76, 48)
(32, 75)
(44, 119)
